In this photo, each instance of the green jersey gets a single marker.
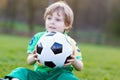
(34, 42)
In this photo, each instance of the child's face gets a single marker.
(55, 22)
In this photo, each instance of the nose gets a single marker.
(52, 21)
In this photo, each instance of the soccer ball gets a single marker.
(53, 49)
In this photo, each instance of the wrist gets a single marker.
(31, 59)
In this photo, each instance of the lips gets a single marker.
(51, 27)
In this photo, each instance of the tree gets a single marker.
(114, 22)
(31, 11)
(10, 15)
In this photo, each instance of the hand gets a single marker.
(36, 57)
(70, 61)
(32, 58)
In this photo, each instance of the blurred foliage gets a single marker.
(100, 17)
(114, 22)
(113, 25)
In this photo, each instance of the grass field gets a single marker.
(100, 62)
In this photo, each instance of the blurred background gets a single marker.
(96, 21)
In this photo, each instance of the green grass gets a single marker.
(100, 62)
(12, 53)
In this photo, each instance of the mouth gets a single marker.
(51, 27)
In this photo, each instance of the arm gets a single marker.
(31, 49)
(78, 64)
(31, 59)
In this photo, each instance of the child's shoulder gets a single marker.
(39, 34)
(71, 39)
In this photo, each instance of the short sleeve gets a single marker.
(33, 42)
(76, 49)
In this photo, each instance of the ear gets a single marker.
(66, 27)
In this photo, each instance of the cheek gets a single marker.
(62, 24)
(46, 23)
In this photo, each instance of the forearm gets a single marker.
(78, 65)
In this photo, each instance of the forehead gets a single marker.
(58, 10)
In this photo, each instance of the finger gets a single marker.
(67, 64)
(36, 59)
(34, 51)
(73, 56)
(73, 53)
(35, 55)
(70, 60)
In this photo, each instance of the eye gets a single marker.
(49, 18)
(58, 19)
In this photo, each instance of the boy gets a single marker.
(58, 17)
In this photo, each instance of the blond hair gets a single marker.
(67, 11)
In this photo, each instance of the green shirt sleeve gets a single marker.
(76, 49)
(33, 42)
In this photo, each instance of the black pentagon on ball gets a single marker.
(39, 48)
(49, 64)
(57, 48)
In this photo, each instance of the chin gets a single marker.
(52, 31)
